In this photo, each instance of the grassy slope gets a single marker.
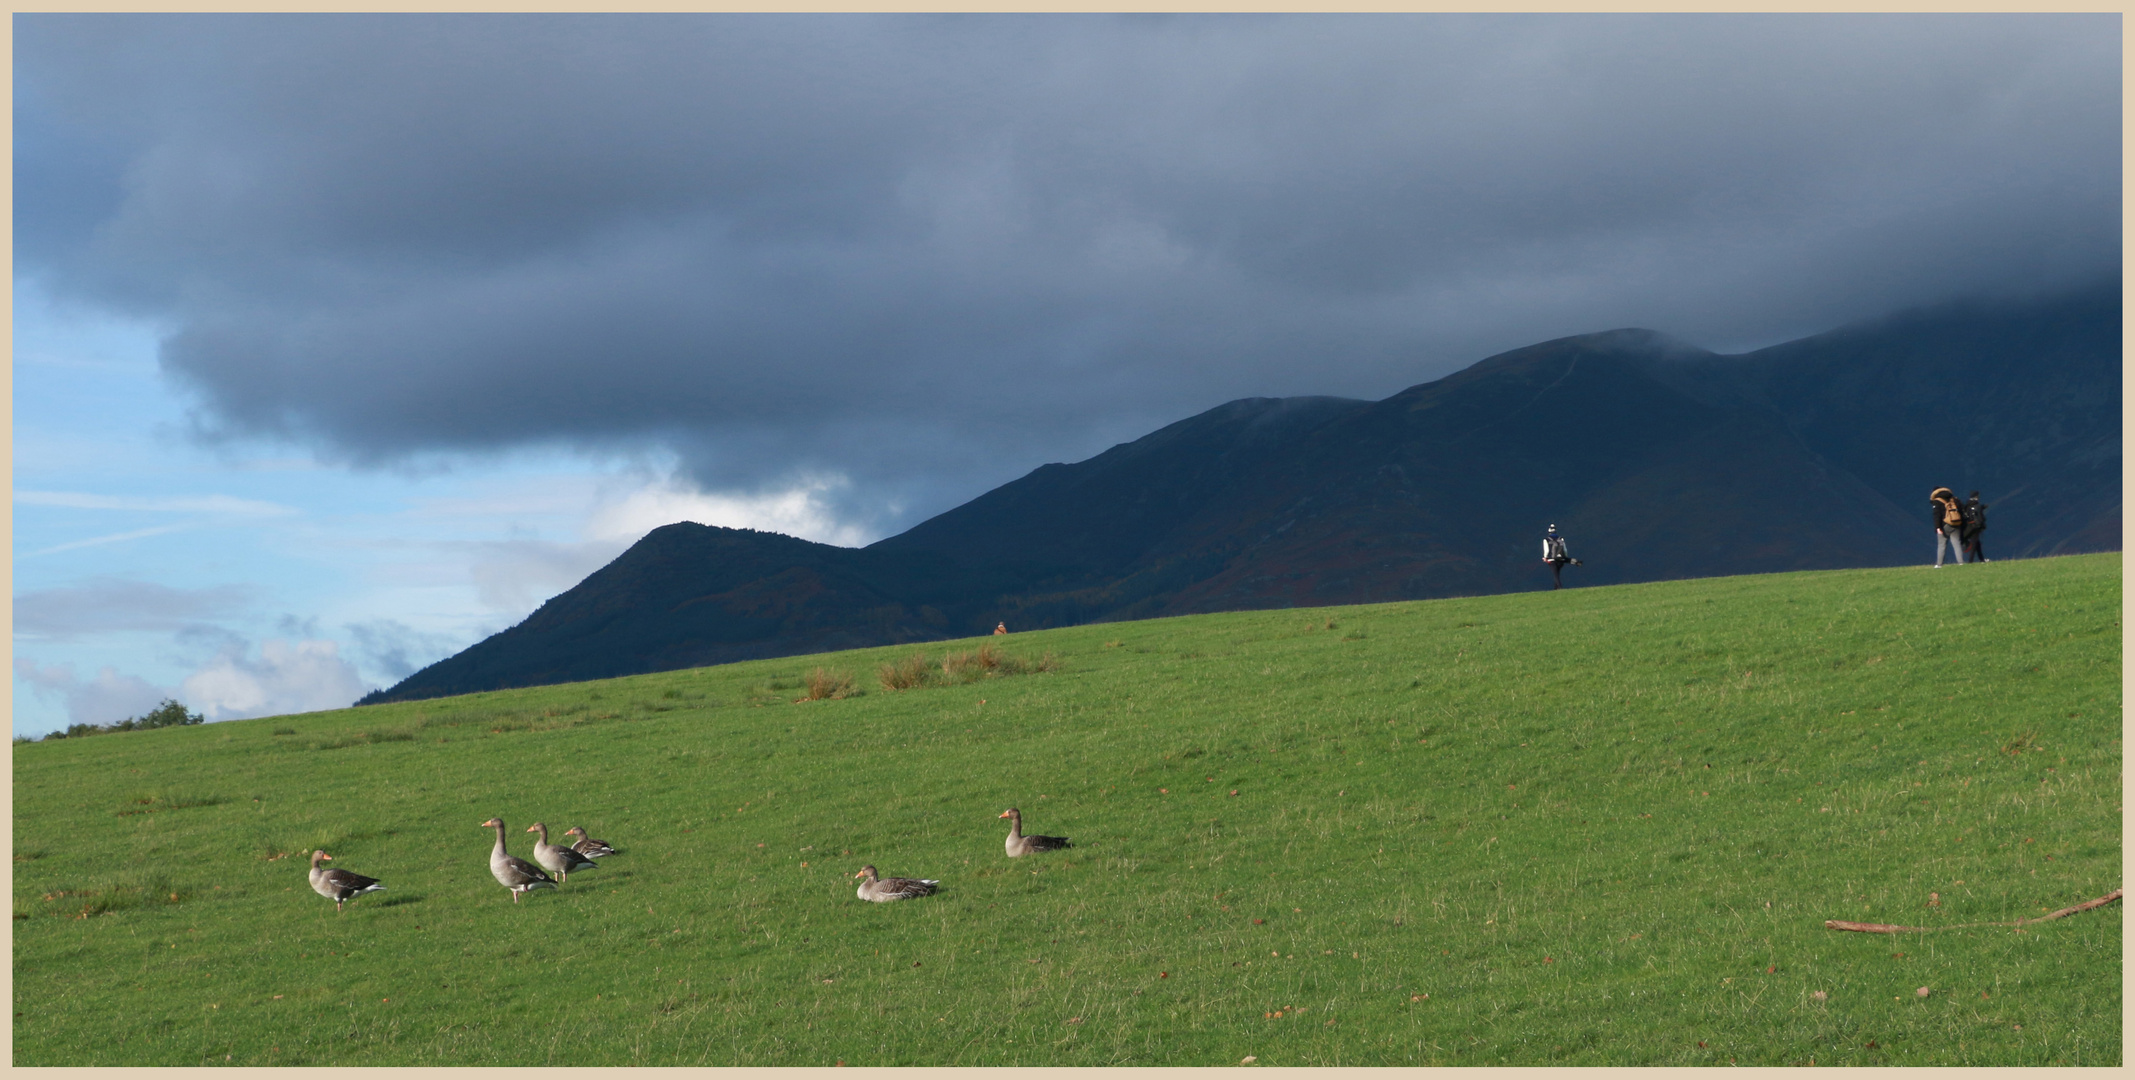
(1585, 824)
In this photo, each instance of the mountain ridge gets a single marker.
(1659, 459)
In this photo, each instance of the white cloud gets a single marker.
(106, 699)
(801, 510)
(303, 676)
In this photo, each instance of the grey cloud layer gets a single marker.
(103, 605)
(929, 253)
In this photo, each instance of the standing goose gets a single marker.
(1020, 845)
(336, 884)
(884, 890)
(587, 846)
(515, 874)
(559, 859)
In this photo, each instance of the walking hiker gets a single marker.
(1554, 554)
(1949, 521)
(1975, 522)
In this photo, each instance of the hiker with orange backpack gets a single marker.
(1949, 524)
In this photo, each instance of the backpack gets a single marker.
(1952, 513)
(1556, 547)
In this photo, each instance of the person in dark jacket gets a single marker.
(1949, 519)
(1975, 522)
(1554, 553)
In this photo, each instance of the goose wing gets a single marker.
(338, 884)
(516, 873)
(900, 888)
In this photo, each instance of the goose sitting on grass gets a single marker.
(515, 874)
(587, 846)
(339, 885)
(884, 890)
(559, 859)
(1020, 845)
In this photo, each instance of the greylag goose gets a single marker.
(336, 884)
(515, 874)
(1019, 844)
(559, 859)
(884, 890)
(587, 846)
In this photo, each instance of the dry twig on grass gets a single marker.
(1887, 928)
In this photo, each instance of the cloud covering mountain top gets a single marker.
(900, 259)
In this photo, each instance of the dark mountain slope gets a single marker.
(1658, 459)
(1097, 517)
(1443, 489)
(2019, 401)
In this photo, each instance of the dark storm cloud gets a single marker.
(929, 253)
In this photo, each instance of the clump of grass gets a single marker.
(826, 685)
(963, 668)
(909, 673)
(158, 802)
(285, 731)
(967, 667)
(365, 738)
(82, 902)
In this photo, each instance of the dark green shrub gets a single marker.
(168, 714)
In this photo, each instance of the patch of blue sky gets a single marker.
(110, 487)
(142, 548)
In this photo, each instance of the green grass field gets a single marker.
(1602, 826)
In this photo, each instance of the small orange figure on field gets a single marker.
(1000, 628)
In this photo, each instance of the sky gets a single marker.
(342, 342)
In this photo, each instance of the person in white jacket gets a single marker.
(1554, 553)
